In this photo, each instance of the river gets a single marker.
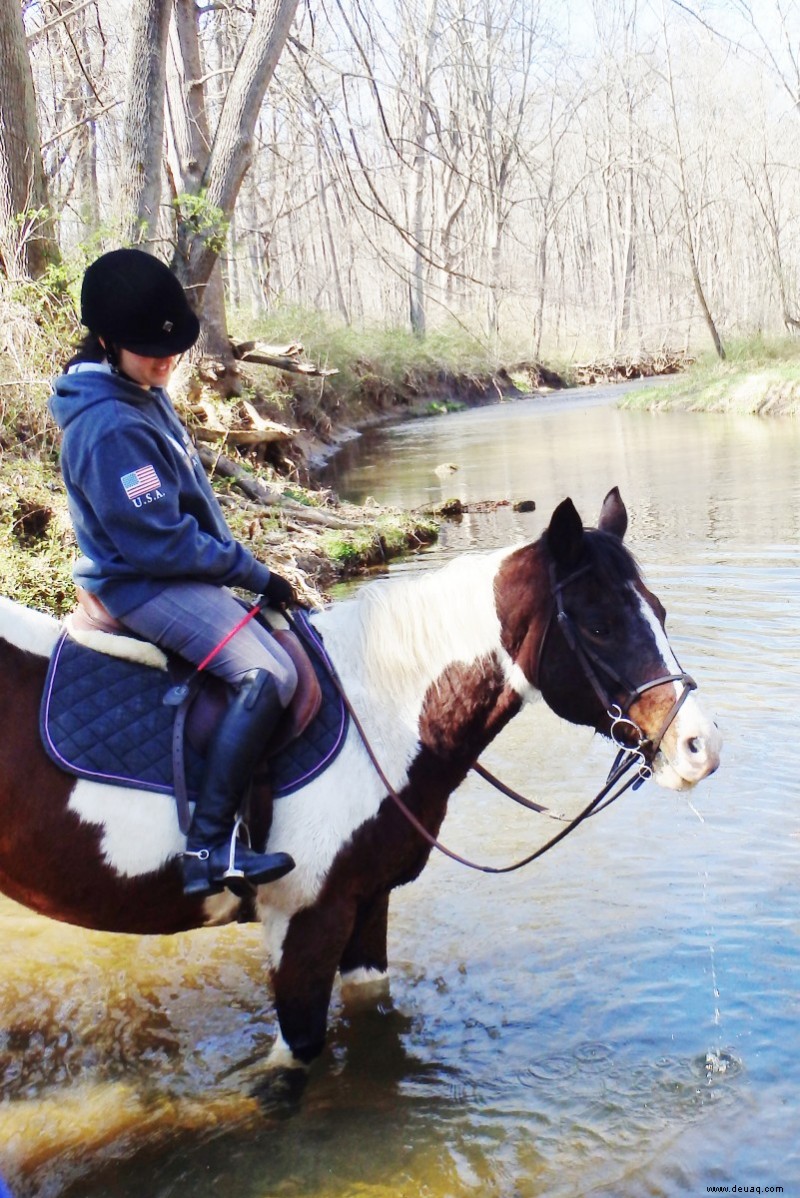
(622, 1019)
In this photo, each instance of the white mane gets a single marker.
(398, 636)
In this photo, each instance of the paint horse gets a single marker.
(434, 667)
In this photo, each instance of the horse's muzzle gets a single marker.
(687, 755)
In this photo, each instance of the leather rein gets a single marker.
(639, 754)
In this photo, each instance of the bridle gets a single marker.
(595, 668)
(639, 755)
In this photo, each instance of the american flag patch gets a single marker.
(139, 481)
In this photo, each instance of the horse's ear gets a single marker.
(565, 534)
(614, 515)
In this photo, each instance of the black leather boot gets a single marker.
(214, 856)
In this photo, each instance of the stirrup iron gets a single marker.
(232, 871)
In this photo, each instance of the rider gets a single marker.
(157, 552)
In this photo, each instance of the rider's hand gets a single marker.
(279, 592)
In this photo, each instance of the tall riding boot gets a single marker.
(214, 856)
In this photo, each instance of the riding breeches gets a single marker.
(191, 618)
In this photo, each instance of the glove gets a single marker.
(279, 592)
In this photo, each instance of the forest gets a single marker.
(551, 179)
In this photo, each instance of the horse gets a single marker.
(435, 666)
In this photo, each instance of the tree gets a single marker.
(206, 172)
(143, 128)
(232, 147)
(683, 193)
(27, 243)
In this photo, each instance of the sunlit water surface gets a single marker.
(620, 1019)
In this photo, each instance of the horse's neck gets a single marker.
(415, 652)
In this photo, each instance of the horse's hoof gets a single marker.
(279, 1092)
(365, 988)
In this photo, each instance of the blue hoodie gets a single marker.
(143, 510)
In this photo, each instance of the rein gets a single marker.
(640, 754)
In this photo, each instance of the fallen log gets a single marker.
(282, 357)
(253, 429)
(253, 489)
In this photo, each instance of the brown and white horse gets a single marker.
(434, 667)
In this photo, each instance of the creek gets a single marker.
(621, 1019)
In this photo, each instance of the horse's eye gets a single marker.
(599, 630)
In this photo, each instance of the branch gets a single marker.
(35, 34)
(93, 116)
(281, 357)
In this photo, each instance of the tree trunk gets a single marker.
(417, 314)
(27, 241)
(684, 198)
(189, 143)
(143, 126)
(233, 143)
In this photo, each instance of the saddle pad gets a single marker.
(104, 718)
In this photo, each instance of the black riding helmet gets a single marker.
(133, 301)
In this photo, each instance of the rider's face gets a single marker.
(147, 372)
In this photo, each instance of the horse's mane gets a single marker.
(611, 560)
(411, 629)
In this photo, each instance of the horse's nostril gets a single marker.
(695, 744)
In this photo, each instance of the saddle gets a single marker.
(91, 625)
(103, 715)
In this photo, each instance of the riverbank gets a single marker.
(757, 379)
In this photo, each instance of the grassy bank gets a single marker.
(758, 378)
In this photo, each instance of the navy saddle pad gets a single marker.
(104, 718)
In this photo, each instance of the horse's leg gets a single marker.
(303, 980)
(364, 962)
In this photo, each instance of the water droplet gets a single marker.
(552, 1069)
(592, 1051)
(718, 1063)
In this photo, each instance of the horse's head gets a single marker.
(583, 629)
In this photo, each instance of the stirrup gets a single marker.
(232, 871)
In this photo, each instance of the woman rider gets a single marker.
(156, 550)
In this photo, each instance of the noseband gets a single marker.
(623, 728)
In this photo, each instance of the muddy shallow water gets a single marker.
(621, 1019)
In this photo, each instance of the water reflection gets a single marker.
(549, 1032)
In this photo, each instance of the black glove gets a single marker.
(279, 592)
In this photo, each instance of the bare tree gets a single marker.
(683, 193)
(27, 243)
(143, 129)
(232, 147)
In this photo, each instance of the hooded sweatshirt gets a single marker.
(143, 510)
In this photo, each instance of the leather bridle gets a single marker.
(595, 668)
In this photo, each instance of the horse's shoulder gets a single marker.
(32, 631)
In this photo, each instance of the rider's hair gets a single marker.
(91, 349)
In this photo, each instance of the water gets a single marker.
(621, 1019)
